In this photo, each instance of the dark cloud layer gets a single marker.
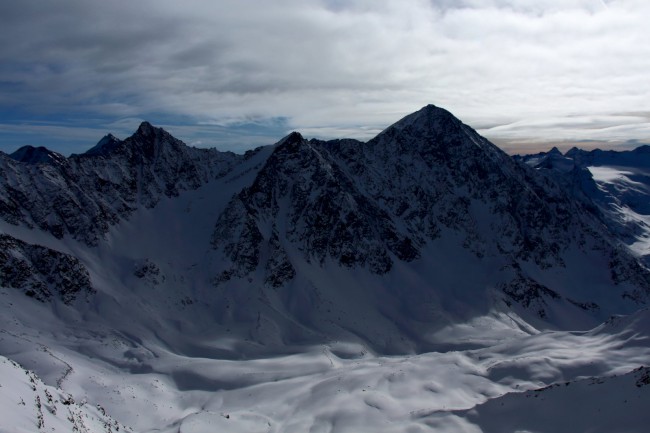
(327, 67)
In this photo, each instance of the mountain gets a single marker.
(395, 221)
(425, 185)
(182, 288)
(37, 155)
(616, 182)
(84, 195)
(552, 159)
(105, 146)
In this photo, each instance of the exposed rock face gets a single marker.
(303, 196)
(40, 272)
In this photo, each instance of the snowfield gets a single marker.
(544, 381)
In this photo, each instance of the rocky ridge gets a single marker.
(84, 195)
(40, 272)
(371, 204)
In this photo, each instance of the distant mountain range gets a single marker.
(616, 182)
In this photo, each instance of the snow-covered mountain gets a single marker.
(37, 155)
(182, 288)
(616, 182)
(84, 195)
(427, 194)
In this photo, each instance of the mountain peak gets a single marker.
(645, 148)
(291, 141)
(573, 152)
(293, 137)
(104, 146)
(147, 132)
(427, 113)
(427, 121)
(435, 132)
(37, 155)
(146, 129)
(433, 109)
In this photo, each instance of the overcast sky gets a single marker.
(240, 73)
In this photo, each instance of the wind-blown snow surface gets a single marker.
(403, 319)
(342, 387)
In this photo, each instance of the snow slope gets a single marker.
(344, 387)
(29, 405)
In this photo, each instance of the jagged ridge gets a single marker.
(428, 175)
(84, 195)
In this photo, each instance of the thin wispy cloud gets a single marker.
(330, 67)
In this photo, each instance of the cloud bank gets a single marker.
(520, 71)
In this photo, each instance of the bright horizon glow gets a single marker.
(236, 75)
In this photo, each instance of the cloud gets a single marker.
(604, 131)
(329, 66)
